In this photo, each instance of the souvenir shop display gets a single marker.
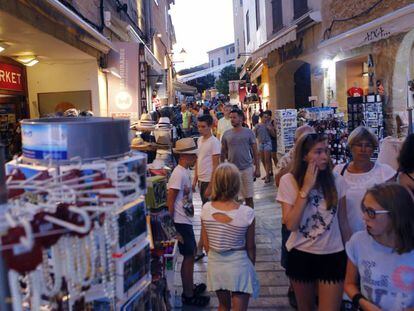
(75, 229)
(326, 121)
(367, 111)
(286, 124)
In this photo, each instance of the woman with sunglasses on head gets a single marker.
(313, 209)
(380, 270)
(361, 173)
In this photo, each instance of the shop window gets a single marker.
(247, 27)
(212, 63)
(257, 13)
(218, 61)
(277, 15)
(227, 51)
(300, 7)
(232, 48)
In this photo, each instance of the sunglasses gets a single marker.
(372, 213)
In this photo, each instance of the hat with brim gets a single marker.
(185, 146)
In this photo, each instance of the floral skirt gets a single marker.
(232, 271)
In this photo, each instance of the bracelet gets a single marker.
(355, 300)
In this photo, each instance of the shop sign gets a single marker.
(142, 79)
(11, 77)
(122, 90)
(376, 34)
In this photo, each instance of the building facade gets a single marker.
(302, 50)
(79, 54)
(222, 55)
(379, 35)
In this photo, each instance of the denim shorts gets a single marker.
(189, 246)
(267, 146)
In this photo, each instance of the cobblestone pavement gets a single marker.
(273, 282)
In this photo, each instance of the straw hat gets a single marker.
(186, 146)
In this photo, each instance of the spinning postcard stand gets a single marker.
(75, 229)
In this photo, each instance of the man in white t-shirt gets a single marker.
(180, 207)
(224, 123)
(209, 149)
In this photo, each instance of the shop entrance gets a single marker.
(302, 79)
(293, 85)
(351, 79)
(11, 112)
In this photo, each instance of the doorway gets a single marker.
(302, 80)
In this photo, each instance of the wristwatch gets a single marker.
(303, 194)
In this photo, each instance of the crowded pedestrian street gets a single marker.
(272, 277)
(229, 155)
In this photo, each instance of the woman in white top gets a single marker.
(313, 209)
(361, 173)
(228, 229)
(380, 270)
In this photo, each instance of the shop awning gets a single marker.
(283, 37)
(202, 73)
(383, 27)
(257, 71)
(184, 88)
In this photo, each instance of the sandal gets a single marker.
(199, 289)
(199, 256)
(198, 301)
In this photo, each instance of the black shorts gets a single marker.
(189, 246)
(284, 253)
(307, 267)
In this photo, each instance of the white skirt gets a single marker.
(232, 271)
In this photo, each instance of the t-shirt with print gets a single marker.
(357, 185)
(223, 126)
(206, 149)
(239, 147)
(181, 180)
(318, 232)
(386, 278)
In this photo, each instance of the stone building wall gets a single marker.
(340, 9)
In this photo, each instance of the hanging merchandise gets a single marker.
(367, 111)
(326, 121)
(286, 124)
(76, 229)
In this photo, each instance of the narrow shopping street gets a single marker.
(273, 282)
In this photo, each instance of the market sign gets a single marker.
(383, 27)
(143, 79)
(123, 84)
(11, 77)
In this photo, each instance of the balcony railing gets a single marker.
(300, 8)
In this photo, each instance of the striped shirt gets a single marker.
(227, 236)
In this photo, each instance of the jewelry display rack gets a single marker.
(74, 230)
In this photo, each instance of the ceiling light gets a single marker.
(158, 83)
(159, 35)
(3, 46)
(30, 60)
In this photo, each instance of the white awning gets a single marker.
(184, 88)
(149, 56)
(283, 37)
(202, 73)
(383, 27)
(256, 72)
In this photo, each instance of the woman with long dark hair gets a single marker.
(313, 208)
(406, 163)
(380, 270)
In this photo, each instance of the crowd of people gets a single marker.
(348, 231)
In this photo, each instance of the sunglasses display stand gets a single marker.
(368, 111)
(74, 231)
(326, 121)
(286, 124)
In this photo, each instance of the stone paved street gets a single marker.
(273, 281)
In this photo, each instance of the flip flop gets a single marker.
(199, 257)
